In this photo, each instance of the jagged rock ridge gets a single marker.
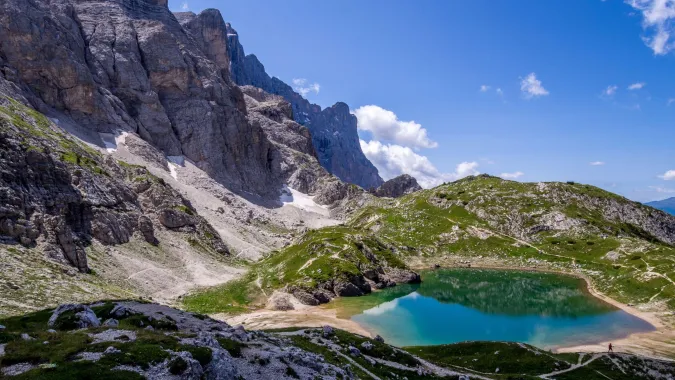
(334, 129)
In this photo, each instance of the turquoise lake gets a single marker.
(454, 305)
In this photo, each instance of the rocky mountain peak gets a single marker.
(397, 187)
(334, 132)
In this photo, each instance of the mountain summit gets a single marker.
(333, 129)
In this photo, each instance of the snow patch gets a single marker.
(292, 197)
(174, 162)
(113, 140)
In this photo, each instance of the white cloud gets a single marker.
(484, 88)
(596, 163)
(670, 101)
(303, 87)
(185, 7)
(658, 21)
(660, 189)
(610, 90)
(499, 91)
(637, 86)
(668, 176)
(514, 175)
(393, 160)
(532, 87)
(385, 126)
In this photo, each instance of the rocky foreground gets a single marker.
(136, 340)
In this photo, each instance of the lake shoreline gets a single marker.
(659, 343)
(654, 344)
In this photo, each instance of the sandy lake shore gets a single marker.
(659, 343)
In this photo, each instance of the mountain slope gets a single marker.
(667, 205)
(333, 129)
(625, 248)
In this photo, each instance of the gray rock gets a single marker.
(84, 317)
(367, 345)
(327, 331)
(221, 366)
(111, 350)
(398, 187)
(111, 322)
(379, 339)
(25, 336)
(354, 351)
(2, 327)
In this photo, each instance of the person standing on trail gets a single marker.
(611, 349)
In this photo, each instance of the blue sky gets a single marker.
(564, 70)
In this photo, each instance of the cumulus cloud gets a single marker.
(514, 175)
(393, 160)
(484, 88)
(668, 176)
(384, 125)
(532, 87)
(596, 163)
(636, 86)
(610, 90)
(184, 6)
(658, 22)
(303, 87)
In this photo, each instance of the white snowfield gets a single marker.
(111, 141)
(292, 197)
(174, 162)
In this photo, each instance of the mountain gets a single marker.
(132, 164)
(333, 129)
(142, 74)
(623, 247)
(667, 205)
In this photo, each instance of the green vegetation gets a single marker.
(185, 209)
(232, 346)
(510, 358)
(566, 227)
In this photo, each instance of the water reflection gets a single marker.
(543, 309)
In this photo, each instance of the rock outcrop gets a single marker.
(334, 129)
(129, 65)
(59, 194)
(397, 187)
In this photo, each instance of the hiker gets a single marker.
(611, 349)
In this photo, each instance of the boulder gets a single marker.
(305, 298)
(73, 316)
(171, 218)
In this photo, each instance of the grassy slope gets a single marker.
(478, 217)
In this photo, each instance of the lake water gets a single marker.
(454, 305)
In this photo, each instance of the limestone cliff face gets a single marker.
(334, 129)
(58, 194)
(130, 65)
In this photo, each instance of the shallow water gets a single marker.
(454, 305)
